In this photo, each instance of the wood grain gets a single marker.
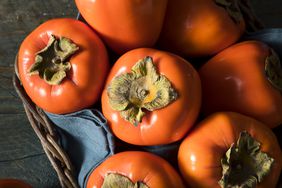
(21, 154)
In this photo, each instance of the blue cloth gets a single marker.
(168, 152)
(86, 138)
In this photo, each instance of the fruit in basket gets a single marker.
(195, 28)
(151, 97)
(244, 78)
(125, 24)
(62, 65)
(134, 169)
(230, 150)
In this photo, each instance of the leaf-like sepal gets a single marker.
(273, 70)
(51, 62)
(114, 180)
(142, 88)
(244, 165)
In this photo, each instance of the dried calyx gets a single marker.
(233, 9)
(244, 164)
(51, 63)
(142, 88)
(114, 180)
(273, 70)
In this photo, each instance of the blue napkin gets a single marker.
(86, 138)
(168, 152)
(88, 141)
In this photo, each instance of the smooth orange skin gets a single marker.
(196, 28)
(13, 183)
(150, 169)
(84, 82)
(234, 80)
(125, 24)
(165, 125)
(200, 152)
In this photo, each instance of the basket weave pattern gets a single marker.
(45, 129)
(46, 132)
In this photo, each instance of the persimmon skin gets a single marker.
(13, 183)
(200, 153)
(234, 80)
(84, 82)
(196, 28)
(125, 24)
(138, 166)
(167, 124)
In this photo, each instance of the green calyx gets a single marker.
(233, 9)
(114, 180)
(273, 70)
(244, 165)
(142, 88)
(51, 62)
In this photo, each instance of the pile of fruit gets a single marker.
(181, 75)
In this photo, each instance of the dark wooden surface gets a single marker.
(21, 155)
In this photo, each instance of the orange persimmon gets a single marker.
(205, 153)
(151, 97)
(135, 167)
(62, 65)
(195, 28)
(244, 78)
(125, 24)
(13, 183)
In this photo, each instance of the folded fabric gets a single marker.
(168, 152)
(86, 138)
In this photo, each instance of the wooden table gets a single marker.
(21, 155)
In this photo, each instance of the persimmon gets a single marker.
(13, 183)
(228, 149)
(125, 24)
(244, 78)
(135, 169)
(196, 28)
(62, 65)
(151, 97)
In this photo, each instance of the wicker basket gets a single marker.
(46, 132)
(45, 129)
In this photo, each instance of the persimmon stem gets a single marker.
(273, 70)
(142, 88)
(115, 180)
(244, 164)
(51, 62)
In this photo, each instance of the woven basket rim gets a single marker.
(46, 132)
